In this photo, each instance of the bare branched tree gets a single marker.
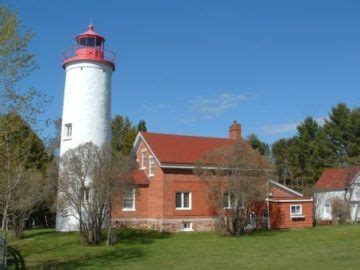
(22, 163)
(88, 177)
(237, 177)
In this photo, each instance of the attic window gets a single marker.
(143, 160)
(151, 166)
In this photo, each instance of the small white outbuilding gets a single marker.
(337, 183)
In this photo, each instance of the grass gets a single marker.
(328, 247)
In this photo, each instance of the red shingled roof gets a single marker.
(336, 178)
(182, 149)
(138, 177)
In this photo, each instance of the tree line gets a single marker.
(299, 160)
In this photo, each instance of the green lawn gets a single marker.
(330, 247)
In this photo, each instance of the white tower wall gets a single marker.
(87, 108)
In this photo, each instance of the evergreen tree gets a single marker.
(258, 145)
(283, 158)
(117, 133)
(313, 148)
(306, 144)
(338, 130)
(124, 133)
(142, 126)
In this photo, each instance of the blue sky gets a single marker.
(192, 67)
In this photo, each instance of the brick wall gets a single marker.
(280, 215)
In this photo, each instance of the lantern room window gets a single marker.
(89, 42)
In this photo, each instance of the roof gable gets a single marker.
(336, 178)
(278, 190)
(179, 149)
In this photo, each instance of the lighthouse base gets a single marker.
(66, 223)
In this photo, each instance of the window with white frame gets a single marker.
(129, 200)
(230, 201)
(68, 130)
(143, 159)
(296, 210)
(183, 200)
(187, 226)
(327, 208)
(151, 166)
(227, 201)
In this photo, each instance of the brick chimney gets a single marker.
(235, 131)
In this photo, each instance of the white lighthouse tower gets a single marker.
(87, 100)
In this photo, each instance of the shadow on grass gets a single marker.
(130, 236)
(115, 256)
(266, 233)
(37, 233)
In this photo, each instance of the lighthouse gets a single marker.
(86, 115)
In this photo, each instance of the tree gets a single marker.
(338, 129)
(88, 177)
(142, 126)
(16, 63)
(301, 159)
(124, 133)
(236, 176)
(282, 153)
(23, 162)
(257, 144)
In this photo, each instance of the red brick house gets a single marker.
(170, 197)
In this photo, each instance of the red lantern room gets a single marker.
(89, 46)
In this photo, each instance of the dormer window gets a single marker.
(68, 130)
(143, 159)
(151, 166)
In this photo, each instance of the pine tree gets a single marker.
(258, 145)
(338, 130)
(124, 133)
(142, 126)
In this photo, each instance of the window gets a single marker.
(68, 130)
(227, 201)
(327, 208)
(183, 200)
(84, 193)
(143, 160)
(151, 166)
(187, 226)
(230, 202)
(295, 210)
(129, 200)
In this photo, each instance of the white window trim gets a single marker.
(230, 206)
(182, 201)
(134, 200)
(296, 215)
(68, 126)
(143, 159)
(327, 208)
(229, 202)
(190, 229)
(151, 159)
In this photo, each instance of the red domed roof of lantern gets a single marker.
(90, 33)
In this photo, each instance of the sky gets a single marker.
(192, 67)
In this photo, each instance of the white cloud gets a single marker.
(287, 127)
(210, 107)
(279, 128)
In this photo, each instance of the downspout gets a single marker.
(268, 203)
